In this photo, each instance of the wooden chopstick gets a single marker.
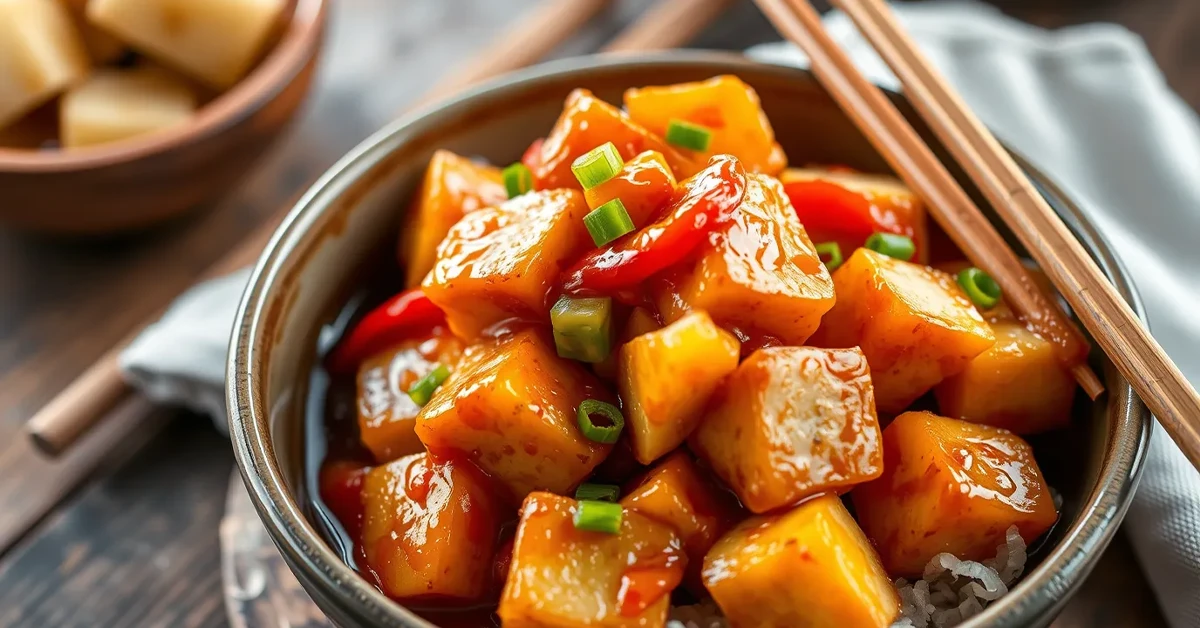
(950, 205)
(1119, 332)
(81, 406)
(686, 17)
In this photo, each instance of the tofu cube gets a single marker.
(511, 407)
(666, 378)
(912, 322)
(430, 529)
(950, 486)
(453, 186)
(645, 185)
(386, 414)
(811, 566)
(214, 41)
(792, 422)
(1019, 361)
(41, 54)
(758, 274)
(496, 263)
(115, 105)
(101, 47)
(676, 492)
(563, 577)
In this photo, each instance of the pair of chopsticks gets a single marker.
(666, 24)
(1095, 301)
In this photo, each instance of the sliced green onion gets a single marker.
(597, 165)
(688, 135)
(518, 179)
(892, 245)
(831, 255)
(980, 287)
(598, 517)
(591, 411)
(608, 222)
(598, 492)
(422, 391)
(582, 328)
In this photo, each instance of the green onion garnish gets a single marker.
(598, 492)
(423, 389)
(598, 517)
(892, 245)
(597, 165)
(592, 410)
(980, 287)
(831, 254)
(688, 135)
(582, 328)
(608, 222)
(518, 179)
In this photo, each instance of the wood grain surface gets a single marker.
(131, 538)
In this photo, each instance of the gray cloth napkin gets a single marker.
(1085, 104)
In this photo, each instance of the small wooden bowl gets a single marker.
(143, 181)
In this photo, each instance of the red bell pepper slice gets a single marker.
(708, 200)
(830, 212)
(399, 318)
(341, 485)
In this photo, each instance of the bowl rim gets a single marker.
(269, 78)
(1044, 590)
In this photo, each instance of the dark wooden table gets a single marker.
(128, 536)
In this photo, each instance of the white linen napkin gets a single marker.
(1086, 104)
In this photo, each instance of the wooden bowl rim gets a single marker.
(265, 82)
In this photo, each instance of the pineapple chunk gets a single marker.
(759, 273)
(497, 263)
(41, 54)
(215, 41)
(666, 378)
(429, 529)
(386, 414)
(511, 407)
(102, 47)
(911, 321)
(563, 577)
(114, 105)
(792, 422)
(645, 186)
(950, 486)
(809, 567)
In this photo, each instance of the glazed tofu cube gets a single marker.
(587, 122)
(950, 486)
(512, 408)
(430, 528)
(114, 105)
(41, 54)
(645, 185)
(563, 577)
(101, 47)
(912, 322)
(844, 206)
(215, 41)
(453, 187)
(682, 496)
(809, 567)
(792, 422)
(725, 106)
(386, 414)
(496, 263)
(666, 378)
(759, 274)
(1019, 361)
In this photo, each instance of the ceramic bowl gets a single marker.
(302, 279)
(143, 181)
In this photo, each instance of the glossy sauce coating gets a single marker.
(950, 486)
(792, 422)
(563, 577)
(386, 414)
(759, 273)
(645, 186)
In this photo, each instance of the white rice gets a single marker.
(950, 591)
